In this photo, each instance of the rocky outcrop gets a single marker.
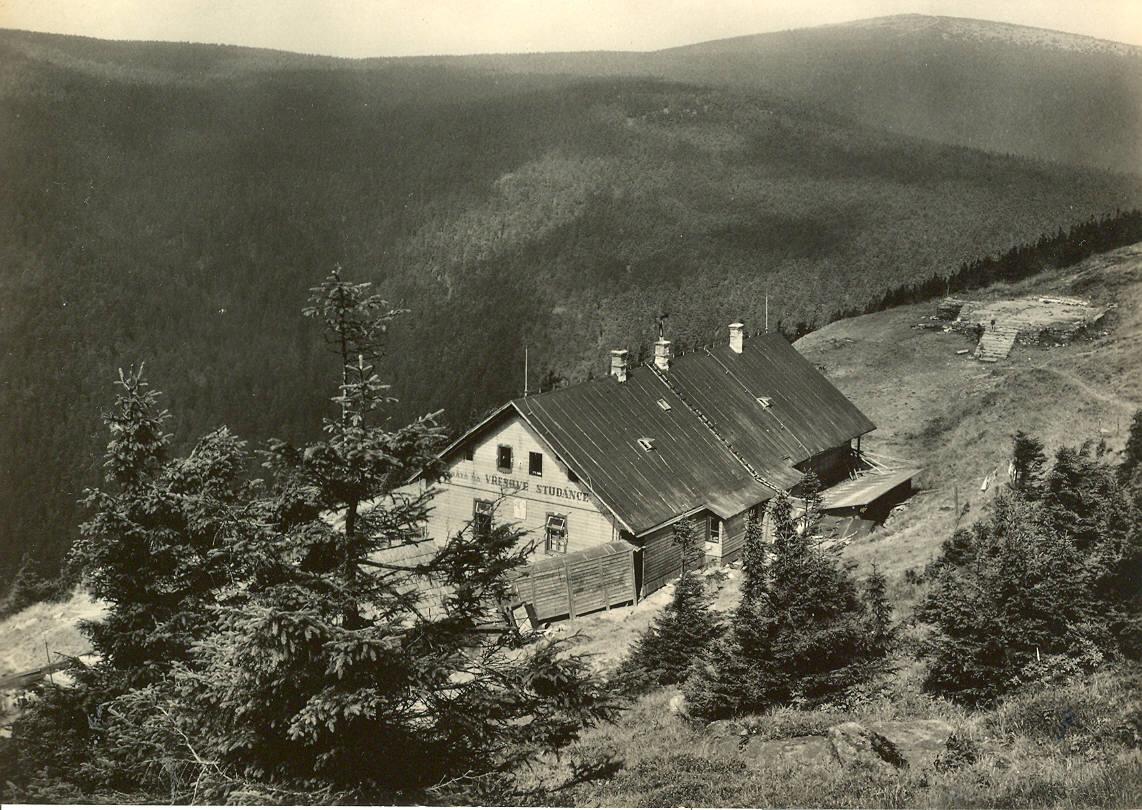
(884, 746)
(807, 750)
(854, 745)
(918, 741)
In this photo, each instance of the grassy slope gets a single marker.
(956, 416)
(1024, 762)
(173, 203)
(1066, 746)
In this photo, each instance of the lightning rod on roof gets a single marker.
(525, 392)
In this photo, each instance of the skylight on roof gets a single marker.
(646, 443)
(662, 403)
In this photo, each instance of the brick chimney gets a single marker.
(737, 337)
(619, 364)
(662, 354)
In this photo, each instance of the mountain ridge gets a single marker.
(910, 23)
(977, 24)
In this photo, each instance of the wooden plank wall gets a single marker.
(733, 540)
(733, 537)
(579, 585)
(661, 560)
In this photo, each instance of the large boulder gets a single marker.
(918, 741)
(724, 737)
(883, 746)
(854, 745)
(805, 750)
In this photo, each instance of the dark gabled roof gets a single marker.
(806, 413)
(595, 426)
(714, 446)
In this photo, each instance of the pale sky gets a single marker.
(359, 28)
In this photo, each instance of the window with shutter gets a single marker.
(555, 540)
(482, 515)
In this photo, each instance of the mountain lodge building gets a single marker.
(598, 473)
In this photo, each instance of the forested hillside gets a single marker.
(173, 204)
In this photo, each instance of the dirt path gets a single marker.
(1087, 388)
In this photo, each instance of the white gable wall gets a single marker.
(522, 499)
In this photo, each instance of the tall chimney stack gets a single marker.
(662, 354)
(619, 364)
(737, 337)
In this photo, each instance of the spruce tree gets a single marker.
(1028, 463)
(881, 631)
(340, 666)
(161, 549)
(681, 633)
(268, 644)
(754, 558)
(157, 547)
(1131, 465)
(804, 639)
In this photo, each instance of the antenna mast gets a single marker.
(525, 369)
(767, 313)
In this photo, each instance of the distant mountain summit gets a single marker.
(995, 86)
(931, 26)
(966, 28)
(1004, 88)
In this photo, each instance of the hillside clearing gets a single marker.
(46, 629)
(956, 417)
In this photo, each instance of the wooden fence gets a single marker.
(596, 578)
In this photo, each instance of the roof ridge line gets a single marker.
(705, 420)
